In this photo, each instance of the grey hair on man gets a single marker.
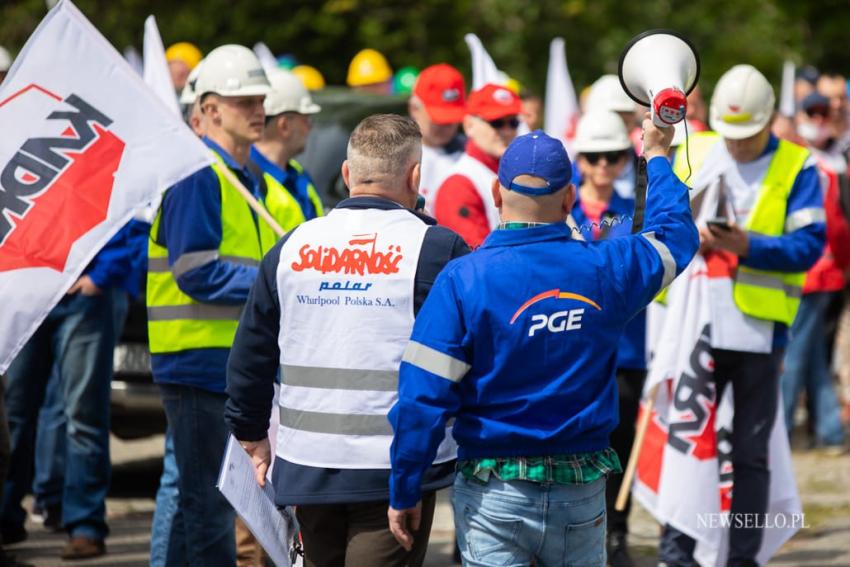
(383, 158)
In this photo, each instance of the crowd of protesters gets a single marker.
(207, 260)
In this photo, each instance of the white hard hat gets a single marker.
(232, 70)
(188, 95)
(607, 94)
(742, 103)
(5, 59)
(601, 131)
(288, 94)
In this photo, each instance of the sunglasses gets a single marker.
(502, 122)
(610, 157)
(819, 110)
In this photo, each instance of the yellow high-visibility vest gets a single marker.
(774, 296)
(282, 204)
(177, 322)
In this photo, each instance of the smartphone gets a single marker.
(721, 223)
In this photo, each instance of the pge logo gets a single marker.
(57, 185)
(560, 321)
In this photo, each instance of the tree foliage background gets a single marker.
(327, 33)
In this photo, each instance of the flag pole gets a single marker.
(628, 475)
(261, 211)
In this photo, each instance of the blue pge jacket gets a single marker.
(518, 341)
(632, 351)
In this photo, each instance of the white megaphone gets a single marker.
(658, 69)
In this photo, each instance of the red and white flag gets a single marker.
(85, 143)
(684, 472)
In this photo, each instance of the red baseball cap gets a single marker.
(442, 92)
(491, 102)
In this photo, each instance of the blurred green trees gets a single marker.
(327, 33)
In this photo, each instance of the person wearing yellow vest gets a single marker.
(766, 200)
(203, 253)
(290, 195)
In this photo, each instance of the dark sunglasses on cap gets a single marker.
(513, 122)
(817, 110)
(611, 157)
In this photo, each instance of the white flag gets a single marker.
(561, 111)
(84, 144)
(484, 70)
(156, 74)
(787, 106)
(266, 57)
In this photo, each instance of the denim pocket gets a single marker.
(491, 536)
(585, 543)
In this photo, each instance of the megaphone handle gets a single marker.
(640, 196)
(657, 119)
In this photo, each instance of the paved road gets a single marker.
(824, 485)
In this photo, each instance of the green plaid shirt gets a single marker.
(582, 468)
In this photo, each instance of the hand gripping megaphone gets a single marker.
(658, 69)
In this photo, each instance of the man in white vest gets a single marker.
(464, 202)
(333, 308)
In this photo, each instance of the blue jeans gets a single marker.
(196, 420)
(167, 537)
(807, 366)
(49, 479)
(78, 336)
(511, 523)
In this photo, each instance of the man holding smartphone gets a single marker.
(773, 232)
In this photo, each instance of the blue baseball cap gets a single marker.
(538, 155)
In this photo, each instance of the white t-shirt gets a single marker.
(436, 166)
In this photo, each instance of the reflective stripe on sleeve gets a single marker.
(435, 362)
(192, 260)
(804, 217)
(666, 258)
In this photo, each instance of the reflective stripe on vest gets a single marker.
(176, 322)
(345, 286)
(774, 296)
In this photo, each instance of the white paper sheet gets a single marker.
(255, 504)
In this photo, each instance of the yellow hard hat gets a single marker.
(368, 68)
(310, 77)
(513, 85)
(185, 52)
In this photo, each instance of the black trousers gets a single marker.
(358, 535)
(629, 387)
(755, 383)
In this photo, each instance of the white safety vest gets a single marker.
(482, 178)
(345, 285)
(436, 165)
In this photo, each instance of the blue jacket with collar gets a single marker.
(518, 341)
